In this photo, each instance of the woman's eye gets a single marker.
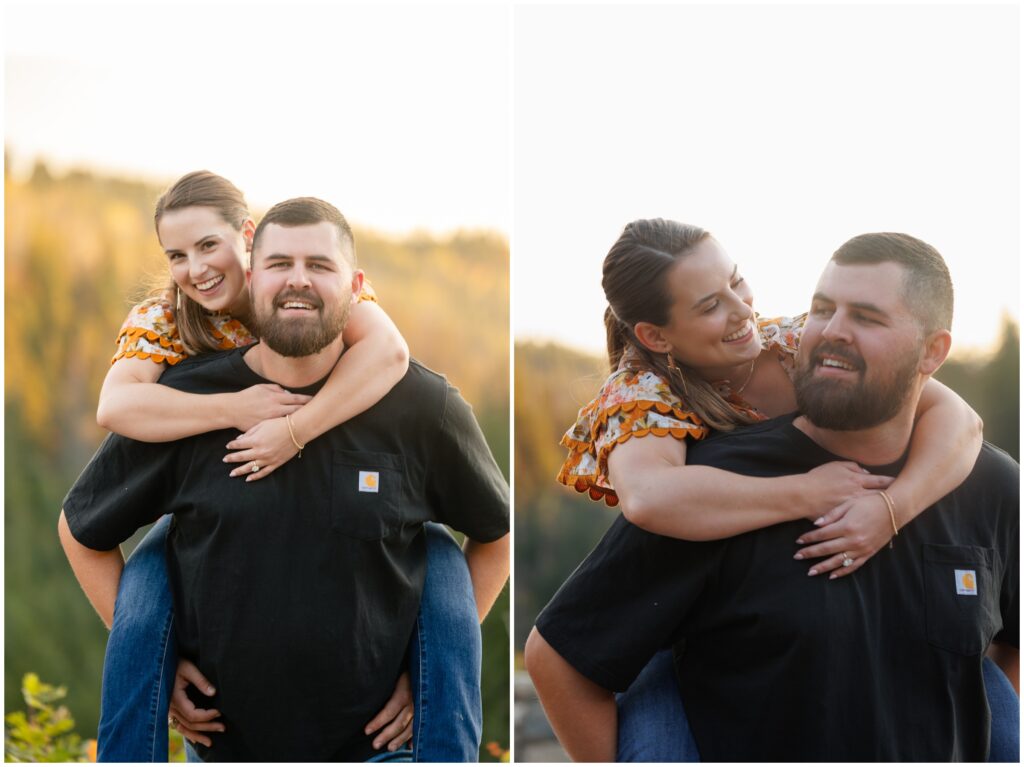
(175, 256)
(738, 282)
(710, 307)
(209, 245)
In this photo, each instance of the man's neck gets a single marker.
(877, 446)
(293, 372)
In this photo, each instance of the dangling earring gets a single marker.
(674, 368)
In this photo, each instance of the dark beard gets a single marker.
(840, 406)
(300, 337)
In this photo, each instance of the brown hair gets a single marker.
(635, 284)
(927, 288)
(200, 188)
(302, 211)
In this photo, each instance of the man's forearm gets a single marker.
(582, 714)
(98, 572)
(488, 569)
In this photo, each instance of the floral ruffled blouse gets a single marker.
(151, 333)
(635, 403)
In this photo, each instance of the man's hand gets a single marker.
(183, 715)
(394, 720)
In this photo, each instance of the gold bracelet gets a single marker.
(892, 513)
(288, 420)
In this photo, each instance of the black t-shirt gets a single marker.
(774, 665)
(297, 595)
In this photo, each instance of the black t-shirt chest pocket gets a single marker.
(367, 493)
(961, 597)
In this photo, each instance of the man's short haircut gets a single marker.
(303, 211)
(927, 288)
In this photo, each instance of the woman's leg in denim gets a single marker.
(444, 658)
(138, 670)
(1005, 707)
(652, 722)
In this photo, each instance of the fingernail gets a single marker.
(376, 744)
(819, 521)
(833, 577)
(812, 572)
(800, 541)
(210, 690)
(798, 555)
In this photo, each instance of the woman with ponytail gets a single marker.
(688, 356)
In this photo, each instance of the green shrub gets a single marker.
(46, 732)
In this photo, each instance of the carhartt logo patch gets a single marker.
(966, 582)
(369, 481)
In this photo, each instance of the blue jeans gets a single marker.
(653, 725)
(141, 658)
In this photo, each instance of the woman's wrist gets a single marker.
(905, 504)
(225, 409)
(301, 432)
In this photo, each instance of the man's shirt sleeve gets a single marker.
(631, 597)
(125, 486)
(464, 484)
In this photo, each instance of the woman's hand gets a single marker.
(394, 720)
(183, 715)
(833, 484)
(267, 445)
(262, 402)
(855, 529)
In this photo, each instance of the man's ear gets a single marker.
(357, 284)
(936, 348)
(650, 335)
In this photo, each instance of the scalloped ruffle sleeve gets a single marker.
(150, 333)
(631, 403)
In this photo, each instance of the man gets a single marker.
(885, 664)
(297, 596)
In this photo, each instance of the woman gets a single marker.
(688, 356)
(205, 228)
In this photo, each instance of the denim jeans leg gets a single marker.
(141, 657)
(1005, 707)
(652, 722)
(445, 657)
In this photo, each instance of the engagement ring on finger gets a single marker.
(255, 467)
(847, 562)
(172, 721)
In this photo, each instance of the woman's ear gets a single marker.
(650, 335)
(248, 231)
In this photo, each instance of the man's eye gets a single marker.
(821, 311)
(738, 282)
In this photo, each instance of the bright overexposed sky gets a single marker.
(397, 114)
(784, 130)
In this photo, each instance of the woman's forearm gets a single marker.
(943, 450)
(376, 358)
(702, 503)
(98, 572)
(151, 412)
(582, 714)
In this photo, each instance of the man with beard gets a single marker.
(296, 597)
(882, 665)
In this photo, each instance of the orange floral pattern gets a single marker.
(150, 332)
(638, 403)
